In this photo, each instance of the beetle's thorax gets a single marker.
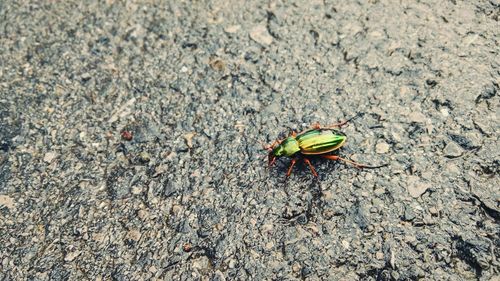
(288, 147)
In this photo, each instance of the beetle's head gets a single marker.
(274, 153)
(287, 147)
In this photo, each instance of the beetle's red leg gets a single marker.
(355, 164)
(336, 158)
(267, 147)
(317, 126)
(291, 167)
(313, 171)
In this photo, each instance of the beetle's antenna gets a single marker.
(266, 146)
(359, 114)
(375, 167)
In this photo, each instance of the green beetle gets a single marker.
(318, 141)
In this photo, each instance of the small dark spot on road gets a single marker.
(488, 93)
(462, 141)
(189, 45)
(431, 83)
(315, 35)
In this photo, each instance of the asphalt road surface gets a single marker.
(131, 140)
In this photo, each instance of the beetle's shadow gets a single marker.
(301, 175)
(302, 172)
(304, 195)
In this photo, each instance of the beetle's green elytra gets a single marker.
(318, 141)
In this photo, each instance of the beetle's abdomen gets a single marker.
(319, 142)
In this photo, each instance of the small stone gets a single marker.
(379, 255)
(452, 150)
(296, 267)
(134, 235)
(144, 157)
(416, 187)
(123, 110)
(153, 269)
(370, 228)
(410, 238)
(187, 247)
(219, 226)
(269, 246)
(444, 112)
(267, 228)
(232, 29)
(260, 35)
(218, 275)
(98, 237)
(217, 64)
(382, 147)
(136, 190)
(328, 195)
(49, 157)
(453, 169)
(427, 175)
(201, 263)
(86, 76)
(305, 272)
(176, 209)
(419, 272)
(345, 244)
(189, 139)
(7, 201)
(71, 256)
(142, 214)
(232, 263)
(313, 228)
(417, 117)
(474, 138)
(433, 210)
(409, 215)
(428, 220)
(377, 202)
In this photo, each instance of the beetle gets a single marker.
(317, 141)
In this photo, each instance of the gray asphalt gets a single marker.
(131, 140)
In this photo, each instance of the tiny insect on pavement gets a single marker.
(317, 141)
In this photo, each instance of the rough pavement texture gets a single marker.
(130, 140)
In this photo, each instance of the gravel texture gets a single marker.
(130, 140)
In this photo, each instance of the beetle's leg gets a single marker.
(355, 164)
(291, 167)
(268, 147)
(313, 171)
(273, 160)
(317, 126)
(336, 158)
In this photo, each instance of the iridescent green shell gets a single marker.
(310, 142)
(320, 141)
